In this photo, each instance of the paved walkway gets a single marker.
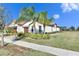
(51, 50)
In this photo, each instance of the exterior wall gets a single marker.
(52, 29)
(20, 29)
(37, 27)
(55, 29)
(58, 29)
(25, 29)
(48, 29)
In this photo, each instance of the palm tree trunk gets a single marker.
(2, 40)
(34, 27)
(44, 29)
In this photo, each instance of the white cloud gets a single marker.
(56, 16)
(67, 7)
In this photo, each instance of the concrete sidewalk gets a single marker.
(51, 50)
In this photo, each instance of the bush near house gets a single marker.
(20, 35)
(9, 31)
(33, 36)
(39, 36)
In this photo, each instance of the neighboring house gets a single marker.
(39, 28)
(13, 26)
(55, 28)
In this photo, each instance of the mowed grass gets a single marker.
(13, 50)
(66, 40)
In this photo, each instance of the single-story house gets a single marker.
(38, 28)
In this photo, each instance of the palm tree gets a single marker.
(43, 19)
(35, 19)
(26, 14)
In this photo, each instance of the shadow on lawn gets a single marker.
(16, 39)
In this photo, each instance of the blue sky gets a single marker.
(65, 14)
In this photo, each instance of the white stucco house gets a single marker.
(39, 28)
(28, 27)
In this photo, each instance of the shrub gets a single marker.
(27, 34)
(39, 36)
(33, 36)
(46, 36)
(20, 35)
(10, 31)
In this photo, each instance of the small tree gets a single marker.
(77, 29)
(64, 28)
(72, 28)
(2, 23)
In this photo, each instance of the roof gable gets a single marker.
(26, 24)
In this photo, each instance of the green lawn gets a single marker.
(66, 40)
(13, 50)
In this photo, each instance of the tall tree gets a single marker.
(26, 14)
(72, 28)
(77, 29)
(29, 14)
(43, 19)
(35, 19)
(2, 24)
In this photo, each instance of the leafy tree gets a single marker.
(26, 14)
(77, 29)
(63, 28)
(4, 16)
(72, 28)
(2, 23)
